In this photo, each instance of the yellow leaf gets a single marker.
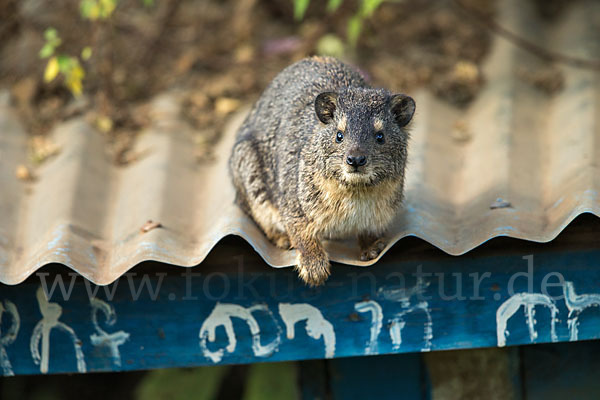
(51, 70)
(73, 79)
(104, 124)
(94, 12)
(108, 7)
(86, 53)
(75, 86)
(77, 72)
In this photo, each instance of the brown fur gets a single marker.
(343, 211)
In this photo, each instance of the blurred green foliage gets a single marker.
(355, 24)
(265, 381)
(97, 9)
(271, 381)
(182, 383)
(69, 66)
(331, 45)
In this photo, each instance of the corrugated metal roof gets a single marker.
(517, 162)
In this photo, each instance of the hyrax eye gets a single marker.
(339, 137)
(379, 137)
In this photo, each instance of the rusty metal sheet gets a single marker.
(524, 165)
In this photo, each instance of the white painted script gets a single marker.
(9, 335)
(397, 322)
(376, 322)
(528, 301)
(221, 315)
(51, 313)
(102, 338)
(317, 327)
(575, 303)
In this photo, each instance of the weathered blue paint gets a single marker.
(288, 321)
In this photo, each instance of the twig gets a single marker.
(526, 44)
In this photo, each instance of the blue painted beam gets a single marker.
(154, 320)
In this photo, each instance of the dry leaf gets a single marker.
(104, 124)
(244, 54)
(150, 225)
(23, 173)
(226, 105)
(41, 148)
(466, 71)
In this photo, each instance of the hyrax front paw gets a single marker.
(313, 269)
(372, 251)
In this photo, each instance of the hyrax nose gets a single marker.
(356, 160)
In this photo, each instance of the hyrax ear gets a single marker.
(325, 105)
(402, 108)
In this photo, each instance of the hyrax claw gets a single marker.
(373, 251)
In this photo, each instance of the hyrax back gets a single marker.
(322, 155)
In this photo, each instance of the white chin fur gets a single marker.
(354, 178)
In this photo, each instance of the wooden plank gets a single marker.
(561, 371)
(153, 320)
(271, 381)
(181, 383)
(313, 379)
(381, 377)
(467, 374)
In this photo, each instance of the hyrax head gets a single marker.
(362, 137)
